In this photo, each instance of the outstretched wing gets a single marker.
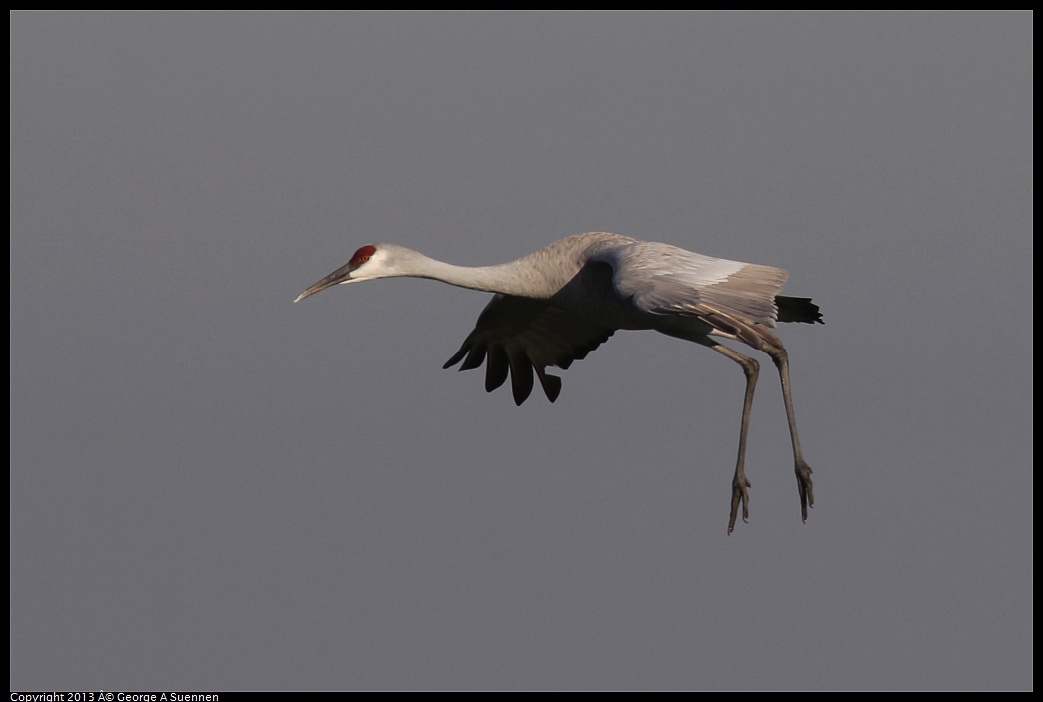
(526, 335)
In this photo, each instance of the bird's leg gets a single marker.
(740, 484)
(804, 485)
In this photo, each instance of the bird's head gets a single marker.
(370, 262)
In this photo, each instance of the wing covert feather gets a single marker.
(662, 279)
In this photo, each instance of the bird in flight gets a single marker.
(558, 304)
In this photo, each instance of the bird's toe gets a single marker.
(740, 495)
(805, 489)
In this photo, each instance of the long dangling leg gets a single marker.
(740, 484)
(777, 351)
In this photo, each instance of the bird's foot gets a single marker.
(805, 488)
(740, 495)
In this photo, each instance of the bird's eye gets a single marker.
(363, 255)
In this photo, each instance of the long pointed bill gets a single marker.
(341, 275)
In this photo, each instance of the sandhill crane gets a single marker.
(560, 303)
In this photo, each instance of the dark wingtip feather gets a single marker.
(551, 384)
(521, 379)
(495, 369)
(474, 358)
(455, 358)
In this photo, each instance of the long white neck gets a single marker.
(525, 277)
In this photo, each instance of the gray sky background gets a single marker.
(214, 488)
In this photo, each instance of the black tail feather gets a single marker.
(798, 309)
